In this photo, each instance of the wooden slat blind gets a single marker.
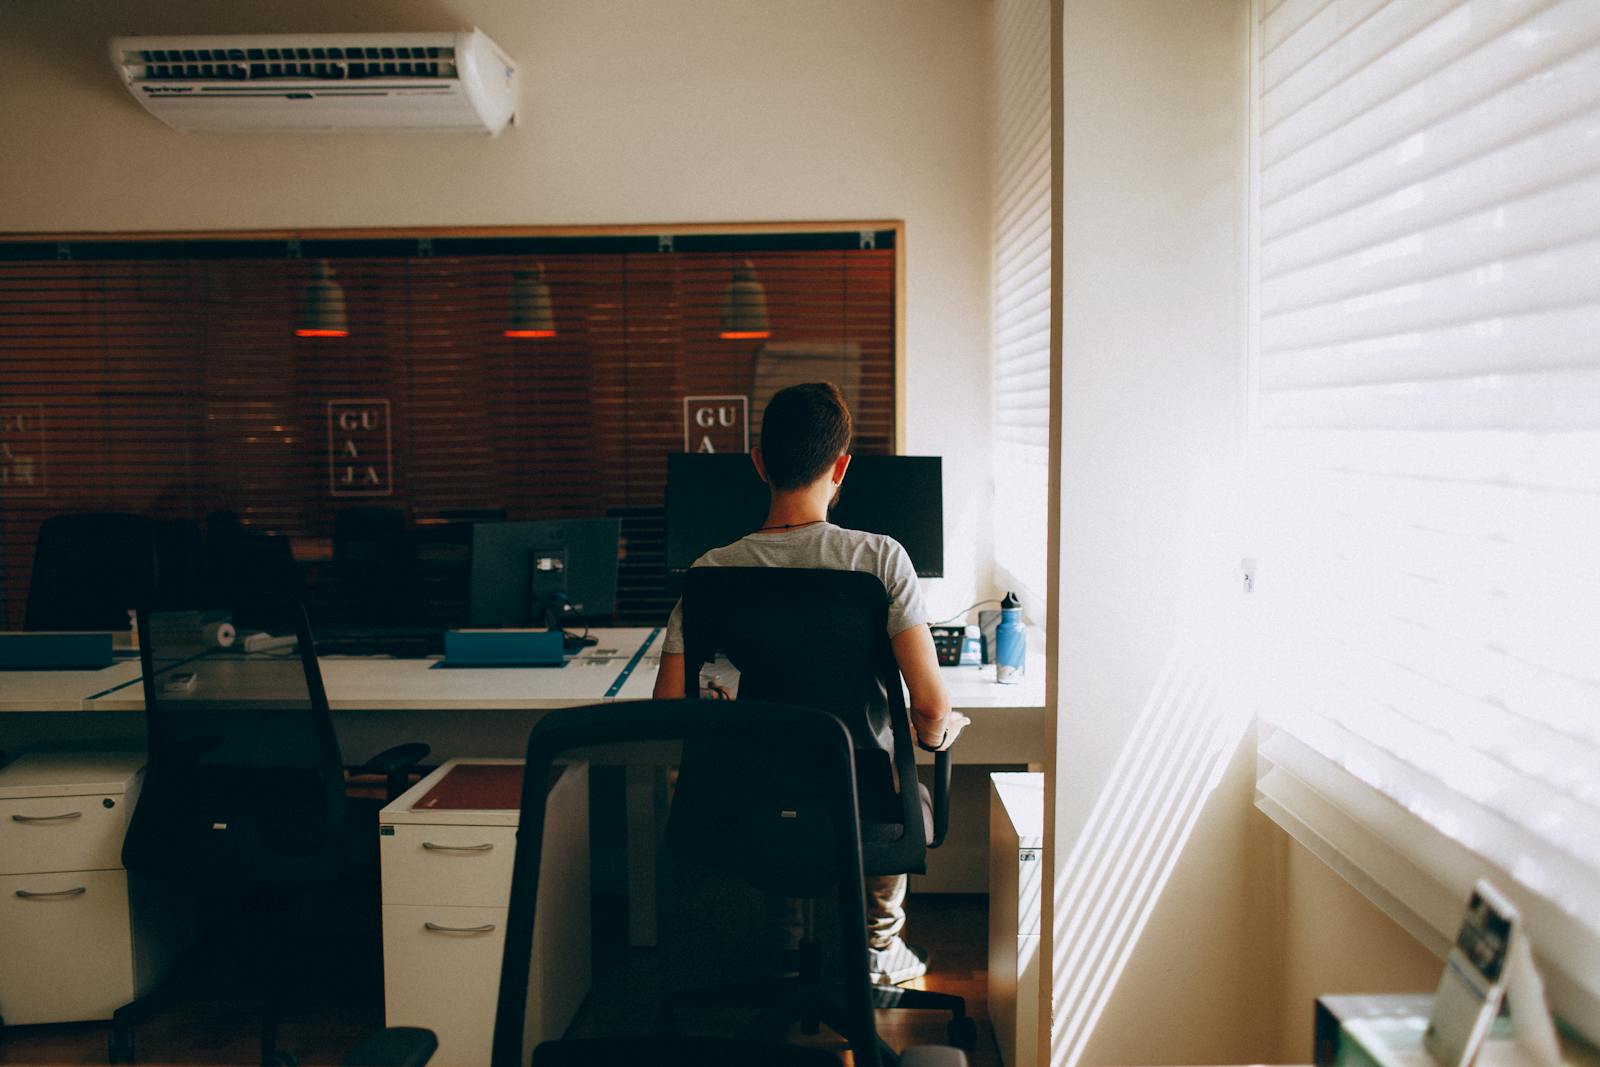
(172, 385)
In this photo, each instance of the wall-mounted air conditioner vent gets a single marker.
(330, 63)
(373, 81)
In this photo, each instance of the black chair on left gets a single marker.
(89, 570)
(243, 803)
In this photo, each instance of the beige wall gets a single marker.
(1334, 940)
(632, 112)
(1152, 754)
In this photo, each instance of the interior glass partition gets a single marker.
(445, 378)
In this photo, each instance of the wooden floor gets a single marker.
(339, 998)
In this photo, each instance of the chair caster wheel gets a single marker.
(119, 1047)
(963, 1032)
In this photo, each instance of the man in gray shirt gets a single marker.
(803, 457)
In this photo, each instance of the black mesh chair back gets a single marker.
(244, 786)
(811, 812)
(89, 571)
(819, 639)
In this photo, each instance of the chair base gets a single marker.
(180, 986)
(810, 1001)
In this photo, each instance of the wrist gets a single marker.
(931, 730)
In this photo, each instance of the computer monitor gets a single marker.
(714, 499)
(543, 573)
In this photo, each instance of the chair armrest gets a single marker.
(941, 797)
(398, 1046)
(933, 1056)
(394, 764)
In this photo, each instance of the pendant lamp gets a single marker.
(531, 313)
(744, 307)
(322, 308)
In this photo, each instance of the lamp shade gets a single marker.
(531, 312)
(744, 307)
(322, 308)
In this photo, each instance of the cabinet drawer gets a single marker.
(444, 978)
(68, 949)
(460, 866)
(61, 834)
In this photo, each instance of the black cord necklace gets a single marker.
(789, 525)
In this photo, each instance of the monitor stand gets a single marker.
(555, 613)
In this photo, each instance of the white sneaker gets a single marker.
(897, 963)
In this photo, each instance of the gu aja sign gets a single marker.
(716, 424)
(360, 448)
(22, 450)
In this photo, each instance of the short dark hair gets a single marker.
(804, 429)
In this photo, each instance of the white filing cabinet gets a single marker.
(446, 890)
(1016, 859)
(77, 943)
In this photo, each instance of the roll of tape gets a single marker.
(218, 634)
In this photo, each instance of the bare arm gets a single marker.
(936, 725)
(669, 677)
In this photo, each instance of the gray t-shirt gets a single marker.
(821, 546)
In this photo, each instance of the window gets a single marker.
(1426, 433)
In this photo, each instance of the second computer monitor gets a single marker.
(526, 573)
(715, 499)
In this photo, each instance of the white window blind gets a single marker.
(1426, 434)
(1022, 294)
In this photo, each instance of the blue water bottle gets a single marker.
(1010, 642)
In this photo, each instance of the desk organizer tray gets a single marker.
(476, 787)
(503, 648)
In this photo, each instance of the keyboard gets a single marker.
(409, 642)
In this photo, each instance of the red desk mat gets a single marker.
(476, 787)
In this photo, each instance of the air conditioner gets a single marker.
(321, 81)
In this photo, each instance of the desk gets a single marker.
(62, 690)
(500, 704)
(1008, 724)
(488, 712)
(1008, 732)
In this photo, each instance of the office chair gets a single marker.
(245, 564)
(806, 820)
(819, 639)
(180, 559)
(375, 564)
(89, 570)
(243, 799)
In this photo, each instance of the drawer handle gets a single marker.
(78, 892)
(63, 817)
(431, 847)
(436, 928)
